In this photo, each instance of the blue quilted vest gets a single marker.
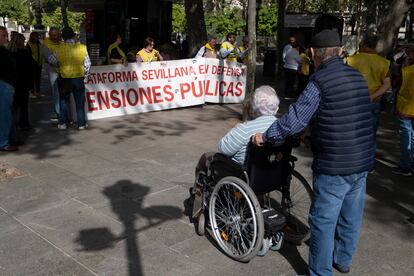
(343, 140)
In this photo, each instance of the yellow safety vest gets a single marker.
(120, 52)
(373, 67)
(37, 54)
(246, 58)
(51, 45)
(71, 58)
(405, 97)
(304, 67)
(209, 51)
(233, 55)
(145, 56)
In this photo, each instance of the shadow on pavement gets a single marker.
(121, 196)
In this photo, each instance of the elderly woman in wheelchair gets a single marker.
(251, 198)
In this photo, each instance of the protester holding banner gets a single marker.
(208, 50)
(115, 55)
(73, 62)
(228, 48)
(49, 46)
(148, 53)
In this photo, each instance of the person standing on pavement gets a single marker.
(7, 79)
(73, 63)
(376, 71)
(287, 47)
(228, 48)
(52, 43)
(209, 49)
(244, 51)
(304, 69)
(337, 106)
(25, 66)
(292, 61)
(34, 46)
(148, 53)
(405, 112)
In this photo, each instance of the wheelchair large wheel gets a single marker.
(236, 219)
(296, 208)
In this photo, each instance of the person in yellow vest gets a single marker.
(34, 47)
(303, 69)
(51, 43)
(228, 48)
(405, 112)
(244, 51)
(73, 64)
(115, 55)
(376, 71)
(209, 49)
(148, 53)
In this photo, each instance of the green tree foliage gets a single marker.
(267, 22)
(55, 19)
(15, 10)
(225, 21)
(313, 6)
(178, 18)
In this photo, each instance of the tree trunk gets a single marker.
(280, 30)
(251, 65)
(196, 26)
(38, 15)
(390, 24)
(64, 8)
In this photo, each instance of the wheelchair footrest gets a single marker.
(274, 221)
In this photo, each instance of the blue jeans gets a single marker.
(376, 111)
(406, 143)
(7, 128)
(335, 219)
(77, 87)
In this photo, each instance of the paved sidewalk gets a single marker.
(109, 201)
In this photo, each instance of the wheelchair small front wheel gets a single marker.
(236, 219)
(200, 224)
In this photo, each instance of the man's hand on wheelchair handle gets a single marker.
(257, 139)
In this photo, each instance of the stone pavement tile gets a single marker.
(184, 180)
(37, 168)
(26, 194)
(111, 187)
(83, 233)
(51, 264)
(174, 197)
(159, 261)
(201, 250)
(23, 253)
(86, 165)
(377, 255)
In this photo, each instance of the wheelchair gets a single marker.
(252, 208)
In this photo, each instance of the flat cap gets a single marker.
(325, 39)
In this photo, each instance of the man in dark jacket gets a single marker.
(336, 104)
(7, 79)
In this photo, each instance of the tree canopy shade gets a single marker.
(16, 10)
(267, 19)
(178, 15)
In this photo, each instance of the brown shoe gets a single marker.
(9, 148)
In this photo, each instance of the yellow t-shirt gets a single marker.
(405, 96)
(145, 56)
(373, 67)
